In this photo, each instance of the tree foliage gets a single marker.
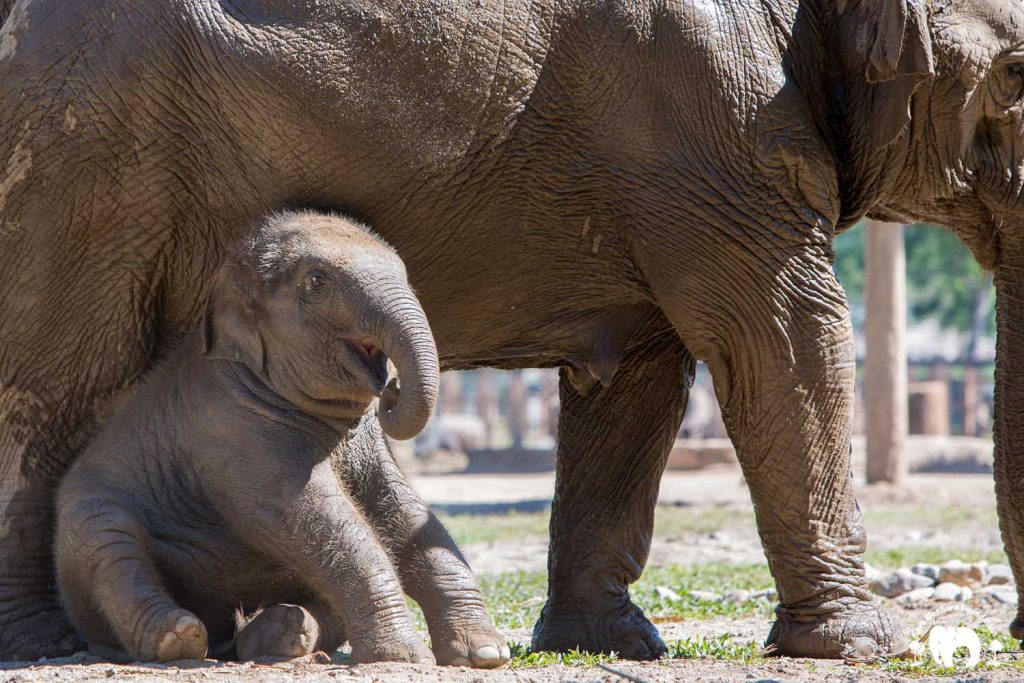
(944, 281)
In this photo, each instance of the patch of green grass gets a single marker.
(668, 521)
(718, 647)
(713, 578)
(522, 658)
(927, 516)
(466, 529)
(909, 555)
(514, 599)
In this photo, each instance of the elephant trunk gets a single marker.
(399, 326)
(1009, 406)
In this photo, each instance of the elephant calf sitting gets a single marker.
(247, 471)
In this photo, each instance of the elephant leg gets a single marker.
(48, 401)
(283, 630)
(432, 569)
(329, 542)
(613, 443)
(779, 344)
(1009, 409)
(112, 586)
(32, 622)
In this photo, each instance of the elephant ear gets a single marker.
(884, 53)
(229, 322)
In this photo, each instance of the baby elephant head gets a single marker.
(315, 305)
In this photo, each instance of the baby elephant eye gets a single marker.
(316, 281)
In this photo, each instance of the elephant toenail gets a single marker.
(487, 653)
(506, 653)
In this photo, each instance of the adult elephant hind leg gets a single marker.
(780, 348)
(612, 447)
(32, 622)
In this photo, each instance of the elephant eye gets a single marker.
(1006, 88)
(316, 281)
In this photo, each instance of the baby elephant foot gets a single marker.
(862, 632)
(181, 636)
(477, 645)
(413, 650)
(286, 631)
(622, 629)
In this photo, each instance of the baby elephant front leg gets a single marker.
(352, 571)
(109, 583)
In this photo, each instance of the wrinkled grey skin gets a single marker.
(239, 472)
(616, 188)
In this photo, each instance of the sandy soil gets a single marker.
(721, 488)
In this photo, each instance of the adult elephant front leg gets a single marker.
(776, 334)
(612, 446)
(1009, 407)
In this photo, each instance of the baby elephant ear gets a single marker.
(229, 323)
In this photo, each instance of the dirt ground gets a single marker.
(918, 513)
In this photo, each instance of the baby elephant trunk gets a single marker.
(399, 325)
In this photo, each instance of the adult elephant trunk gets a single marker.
(1009, 406)
(399, 326)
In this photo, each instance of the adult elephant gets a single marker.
(613, 187)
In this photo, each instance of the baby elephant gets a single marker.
(247, 471)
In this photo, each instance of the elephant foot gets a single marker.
(862, 632)
(478, 645)
(184, 637)
(623, 629)
(45, 632)
(285, 631)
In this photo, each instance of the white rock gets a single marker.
(998, 575)
(736, 596)
(962, 574)
(707, 596)
(916, 595)
(765, 594)
(898, 582)
(913, 536)
(1004, 594)
(965, 594)
(666, 593)
(929, 570)
(872, 572)
(946, 592)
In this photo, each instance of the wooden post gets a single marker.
(971, 399)
(517, 408)
(885, 367)
(487, 405)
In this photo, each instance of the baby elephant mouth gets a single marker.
(375, 366)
